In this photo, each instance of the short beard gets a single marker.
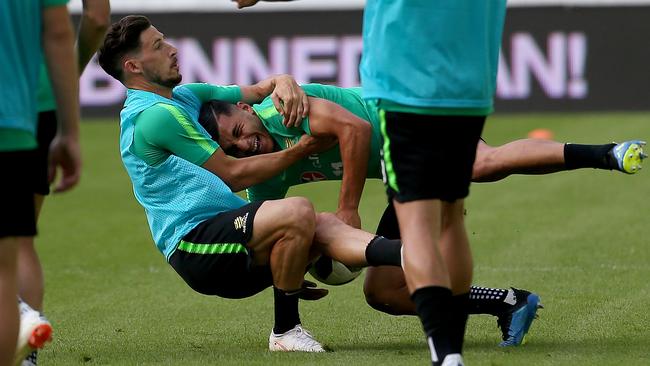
(168, 83)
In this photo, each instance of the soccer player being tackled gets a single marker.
(342, 120)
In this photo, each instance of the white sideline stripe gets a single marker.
(226, 6)
(611, 267)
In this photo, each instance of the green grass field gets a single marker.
(579, 239)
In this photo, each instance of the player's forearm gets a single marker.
(58, 40)
(354, 143)
(93, 25)
(247, 172)
(257, 92)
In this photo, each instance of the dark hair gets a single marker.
(122, 37)
(209, 114)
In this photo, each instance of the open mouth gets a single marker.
(256, 145)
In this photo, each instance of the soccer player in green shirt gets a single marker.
(350, 126)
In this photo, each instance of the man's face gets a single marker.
(157, 59)
(242, 134)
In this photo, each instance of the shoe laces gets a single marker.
(31, 359)
(304, 338)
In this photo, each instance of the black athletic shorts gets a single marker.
(214, 259)
(17, 215)
(45, 132)
(428, 157)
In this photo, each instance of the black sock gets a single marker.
(459, 315)
(286, 310)
(433, 305)
(589, 156)
(384, 252)
(494, 301)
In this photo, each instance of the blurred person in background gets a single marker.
(28, 30)
(93, 23)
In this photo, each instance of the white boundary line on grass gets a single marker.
(195, 6)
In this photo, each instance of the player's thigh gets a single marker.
(214, 257)
(383, 281)
(17, 193)
(277, 218)
(429, 157)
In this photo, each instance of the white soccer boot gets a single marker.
(34, 331)
(453, 359)
(295, 340)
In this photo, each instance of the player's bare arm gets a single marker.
(94, 22)
(329, 120)
(289, 99)
(242, 173)
(58, 38)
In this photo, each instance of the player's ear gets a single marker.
(245, 107)
(132, 66)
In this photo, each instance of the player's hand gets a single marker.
(245, 3)
(350, 217)
(312, 145)
(290, 100)
(65, 155)
(311, 292)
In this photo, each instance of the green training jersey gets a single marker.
(158, 133)
(327, 165)
(20, 57)
(45, 94)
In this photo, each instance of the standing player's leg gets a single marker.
(8, 306)
(31, 286)
(537, 156)
(19, 225)
(30, 272)
(429, 211)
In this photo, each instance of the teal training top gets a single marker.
(20, 57)
(45, 95)
(327, 165)
(176, 194)
(436, 56)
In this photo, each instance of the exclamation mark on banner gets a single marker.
(577, 84)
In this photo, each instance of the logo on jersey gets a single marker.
(337, 168)
(315, 160)
(240, 222)
(312, 177)
(289, 142)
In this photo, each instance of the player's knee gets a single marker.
(299, 217)
(478, 170)
(483, 165)
(372, 292)
(327, 220)
(376, 298)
